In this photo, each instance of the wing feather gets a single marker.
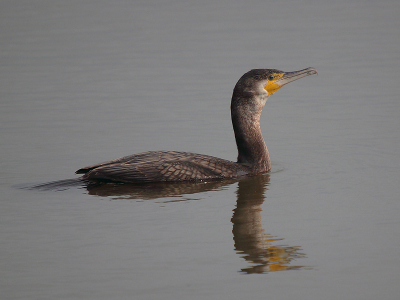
(159, 166)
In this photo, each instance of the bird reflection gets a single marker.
(263, 251)
(156, 190)
(251, 241)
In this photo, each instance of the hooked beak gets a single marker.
(280, 79)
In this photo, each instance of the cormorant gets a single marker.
(249, 97)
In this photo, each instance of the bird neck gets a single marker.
(250, 143)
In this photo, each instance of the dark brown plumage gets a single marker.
(249, 97)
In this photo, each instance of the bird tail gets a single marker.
(58, 185)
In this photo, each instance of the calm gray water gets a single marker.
(85, 82)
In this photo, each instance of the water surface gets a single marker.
(82, 83)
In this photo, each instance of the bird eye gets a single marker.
(271, 77)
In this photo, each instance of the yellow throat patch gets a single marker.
(272, 86)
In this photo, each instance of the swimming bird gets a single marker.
(248, 99)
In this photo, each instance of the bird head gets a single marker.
(268, 81)
(254, 87)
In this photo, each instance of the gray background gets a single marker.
(87, 81)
